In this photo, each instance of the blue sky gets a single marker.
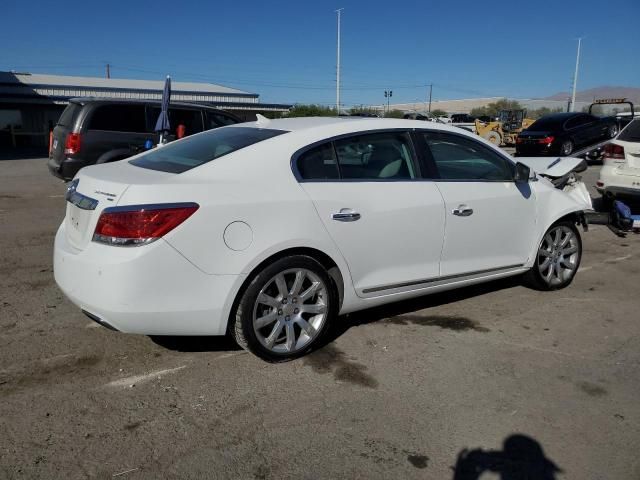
(286, 50)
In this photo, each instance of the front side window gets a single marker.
(459, 158)
(194, 151)
(376, 156)
(215, 120)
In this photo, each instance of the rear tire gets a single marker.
(613, 131)
(557, 258)
(286, 309)
(566, 148)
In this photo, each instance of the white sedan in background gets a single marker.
(271, 229)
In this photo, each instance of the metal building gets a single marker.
(30, 104)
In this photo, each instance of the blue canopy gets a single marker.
(162, 124)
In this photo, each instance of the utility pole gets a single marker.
(339, 12)
(575, 78)
(430, 91)
(388, 94)
(108, 71)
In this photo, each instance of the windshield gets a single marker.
(631, 133)
(199, 149)
(69, 114)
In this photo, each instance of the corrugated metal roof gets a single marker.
(121, 83)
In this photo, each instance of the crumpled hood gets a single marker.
(554, 166)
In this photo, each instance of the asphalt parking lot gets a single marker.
(496, 377)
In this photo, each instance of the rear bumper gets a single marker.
(67, 168)
(151, 290)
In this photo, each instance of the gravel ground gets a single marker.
(491, 378)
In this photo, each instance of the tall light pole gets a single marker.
(430, 91)
(575, 77)
(339, 12)
(388, 94)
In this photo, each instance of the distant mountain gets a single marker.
(631, 93)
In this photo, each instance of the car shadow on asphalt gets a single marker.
(521, 458)
(404, 312)
(196, 344)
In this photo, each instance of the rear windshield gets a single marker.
(546, 124)
(631, 133)
(69, 115)
(194, 151)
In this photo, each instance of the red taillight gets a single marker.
(546, 140)
(140, 224)
(72, 144)
(613, 152)
(519, 140)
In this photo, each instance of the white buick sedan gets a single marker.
(269, 230)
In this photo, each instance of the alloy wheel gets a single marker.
(558, 255)
(290, 310)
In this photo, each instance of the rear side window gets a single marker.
(319, 163)
(118, 118)
(546, 124)
(631, 133)
(215, 120)
(578, 121)
(194, 151)
(462, 159)
(69, 115)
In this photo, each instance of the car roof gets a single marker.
(128, 101)
(346, 125)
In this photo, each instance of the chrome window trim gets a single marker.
(78, 199)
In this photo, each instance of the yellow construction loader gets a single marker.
(505, 129)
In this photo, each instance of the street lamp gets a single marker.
(388, 94)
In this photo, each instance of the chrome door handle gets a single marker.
(462, 211)
(345, 215)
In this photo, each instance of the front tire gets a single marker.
(557, 258)
(286, 309)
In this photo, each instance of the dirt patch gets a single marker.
(331, 359)
(418, 461)
(450, 323)
(47, 371)
(592, 389)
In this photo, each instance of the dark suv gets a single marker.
(92, 130)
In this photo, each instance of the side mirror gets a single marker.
(523, 173)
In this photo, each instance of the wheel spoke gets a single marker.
(544, 253)
(557, 237)
(268, 300)
(547, 276)
(309, 292)
(567, 264)
(315, 308)
(545, 264)
(297, 283)
(275, 333)
(570, 250)
(566, 240)
(266, 320)
(291, 337)
(549, 240)
(282, 285)
(306, 327)
(557, 271)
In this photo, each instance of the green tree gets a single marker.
(303, 110)
(492, 109)
(542, 111)
(361, 109)
(394, 114)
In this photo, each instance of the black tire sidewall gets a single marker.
(244, 312)
(562, 149)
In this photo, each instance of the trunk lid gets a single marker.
(96, 188)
